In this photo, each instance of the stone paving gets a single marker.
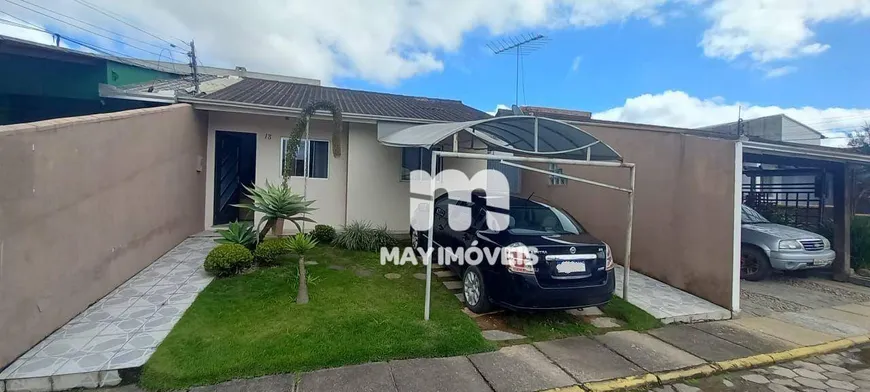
(783, 293)
(120, 331)
(667, 303)
(846, 371)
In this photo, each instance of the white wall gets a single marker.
(329, 193)
(376, 192)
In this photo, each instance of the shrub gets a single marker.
(362, 236)
(268, 251)
(324, 234)
(241, 233)
(860, 242)
(228, 260)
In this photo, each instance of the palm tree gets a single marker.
(301, 244)
(299, 129)
(277, 202)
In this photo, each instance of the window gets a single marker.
(417, 158)
(554, 168)
(317, 154)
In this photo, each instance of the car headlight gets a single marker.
(790, 244)
(826, 243)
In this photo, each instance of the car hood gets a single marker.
(780, 231)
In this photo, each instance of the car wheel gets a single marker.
(754, 264)
(474, 291)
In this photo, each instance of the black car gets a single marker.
(574, 269)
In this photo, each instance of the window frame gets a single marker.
(439, 162)
(555, 180)
(305, 159)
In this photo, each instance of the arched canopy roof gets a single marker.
(525, 135)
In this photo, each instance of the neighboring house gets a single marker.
(250, 119)
(781, 184)
(43, 82)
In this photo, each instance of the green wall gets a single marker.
(37, 76)
(119, 74)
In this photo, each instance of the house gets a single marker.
(250, 119)
(45, 82)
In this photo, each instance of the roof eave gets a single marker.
(107, 91)
(808, 152)
(270, 110)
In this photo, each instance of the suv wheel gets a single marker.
(474, 290)
(754, 264)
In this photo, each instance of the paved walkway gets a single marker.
(783, 293)
(587, 361)
(667, 303)
(845, 371)
(120, 331)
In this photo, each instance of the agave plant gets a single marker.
(277, 202)
(301, 244)
(241, 233)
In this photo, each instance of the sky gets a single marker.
(684, 63)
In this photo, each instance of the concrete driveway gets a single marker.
(783, 293)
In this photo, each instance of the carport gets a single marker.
(810, 186)
(521, 139)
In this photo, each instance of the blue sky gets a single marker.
(684, 63)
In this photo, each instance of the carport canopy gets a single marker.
(527, 139)
(538, 136)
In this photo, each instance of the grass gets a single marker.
(249, 325)
(634, 318)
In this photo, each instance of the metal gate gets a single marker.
(798, 204)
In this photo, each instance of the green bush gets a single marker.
(324, 234)
(228, 260)
(860, 242)
(268, 251)
(362, 236)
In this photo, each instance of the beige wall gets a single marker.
(329, 194)
(684, 208)
(85, 203)
(376, 192)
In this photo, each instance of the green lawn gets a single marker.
(633, 317)
(249, 325)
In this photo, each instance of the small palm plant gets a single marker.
(241, 233)
(277, 202)
(300, 244)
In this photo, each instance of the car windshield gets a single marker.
(751, 216)
(533, 218)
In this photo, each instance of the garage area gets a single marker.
(803, 194)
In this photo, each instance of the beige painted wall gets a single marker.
(87, 202)
(376, 192)
(329, 194)
(683, 226)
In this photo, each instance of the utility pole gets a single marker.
(740, 131)
(193, 67)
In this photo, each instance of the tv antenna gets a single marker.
(520, 45)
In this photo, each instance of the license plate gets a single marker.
(819, 261)
(570, 267)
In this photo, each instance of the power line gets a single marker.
(82, 28)
(120, 19)
(97, 27)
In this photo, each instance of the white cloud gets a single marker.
(575, 64)
(10, 28)
(678, 109)
(780, 71)
(769, 30)
(382, 41)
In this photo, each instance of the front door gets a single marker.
(235, 161)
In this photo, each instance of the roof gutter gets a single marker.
(269, 110)
(108, 91)
(807, 152)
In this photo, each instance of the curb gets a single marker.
(708, 369)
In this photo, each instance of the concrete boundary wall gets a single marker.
(684, 207)
(85, 203)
